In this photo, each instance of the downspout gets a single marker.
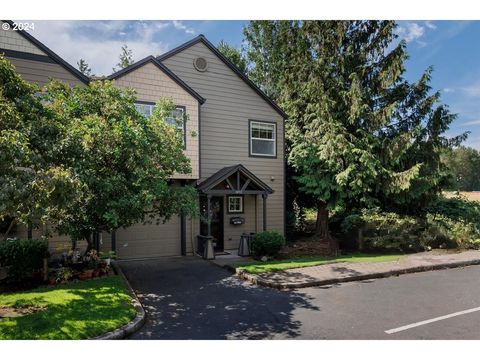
(183, 230)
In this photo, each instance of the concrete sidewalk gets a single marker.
(344, 272)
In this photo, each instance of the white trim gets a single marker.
(274, 139)
(241, 204)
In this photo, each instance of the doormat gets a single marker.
(222, 253)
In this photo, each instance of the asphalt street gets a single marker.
(188, 298)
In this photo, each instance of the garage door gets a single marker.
(150, 240)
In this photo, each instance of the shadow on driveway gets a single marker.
(189, 298)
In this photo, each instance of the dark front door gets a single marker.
(216, 224)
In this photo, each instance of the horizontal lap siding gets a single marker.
(39, 72)
(57, 244)
(232, 233)
(224, 131)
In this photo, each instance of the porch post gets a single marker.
(264, 197)
(208, 250)
(209, 216)
(114, 240)
(183, 230)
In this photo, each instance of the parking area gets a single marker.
(188, 298)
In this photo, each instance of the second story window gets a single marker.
(263, 139)
(145, 109)
(176, 117)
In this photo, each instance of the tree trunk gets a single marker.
(88, 238)
(5, 236)
(322, 231)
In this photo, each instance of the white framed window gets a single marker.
(263, 139)
(145, 109)
(235, 204)
(176, 117)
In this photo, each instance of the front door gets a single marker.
(216, 224)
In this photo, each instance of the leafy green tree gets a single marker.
(35, 184)
(123, 161)
(359, 135)
(463, 164)
(125, 58)
(234, 55)
(83, 67)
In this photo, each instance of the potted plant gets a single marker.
(108, 256)
(64, 275)
(85, 274)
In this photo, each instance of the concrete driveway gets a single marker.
(189, 298)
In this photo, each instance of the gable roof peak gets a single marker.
(50, 53)
(152, 59)
(201, 38)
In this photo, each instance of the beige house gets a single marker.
(234, 137)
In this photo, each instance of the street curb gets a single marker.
(256, 280)
(133, 325)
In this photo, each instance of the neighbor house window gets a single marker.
(235, 204)
(176, 117)
(263, 139)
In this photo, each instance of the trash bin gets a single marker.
(244, 245)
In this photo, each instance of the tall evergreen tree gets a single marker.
(359, 134)
(83, 67)
(125, 58)
(234, 55)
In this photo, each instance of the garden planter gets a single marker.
(85, 275)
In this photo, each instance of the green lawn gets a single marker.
(73, 311)
(278, 265)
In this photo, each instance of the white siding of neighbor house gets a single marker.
(224, 138)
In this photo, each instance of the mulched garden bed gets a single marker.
(310, 246)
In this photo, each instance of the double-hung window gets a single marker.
(176, 117)
(145, 109)
(263, 138)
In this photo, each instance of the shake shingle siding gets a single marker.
(224, 138)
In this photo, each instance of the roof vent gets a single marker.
(200, 64)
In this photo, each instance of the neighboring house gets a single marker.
(234, 137)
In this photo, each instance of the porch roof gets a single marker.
(220, 183)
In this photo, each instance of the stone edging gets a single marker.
(133, 325)
(257, 280)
